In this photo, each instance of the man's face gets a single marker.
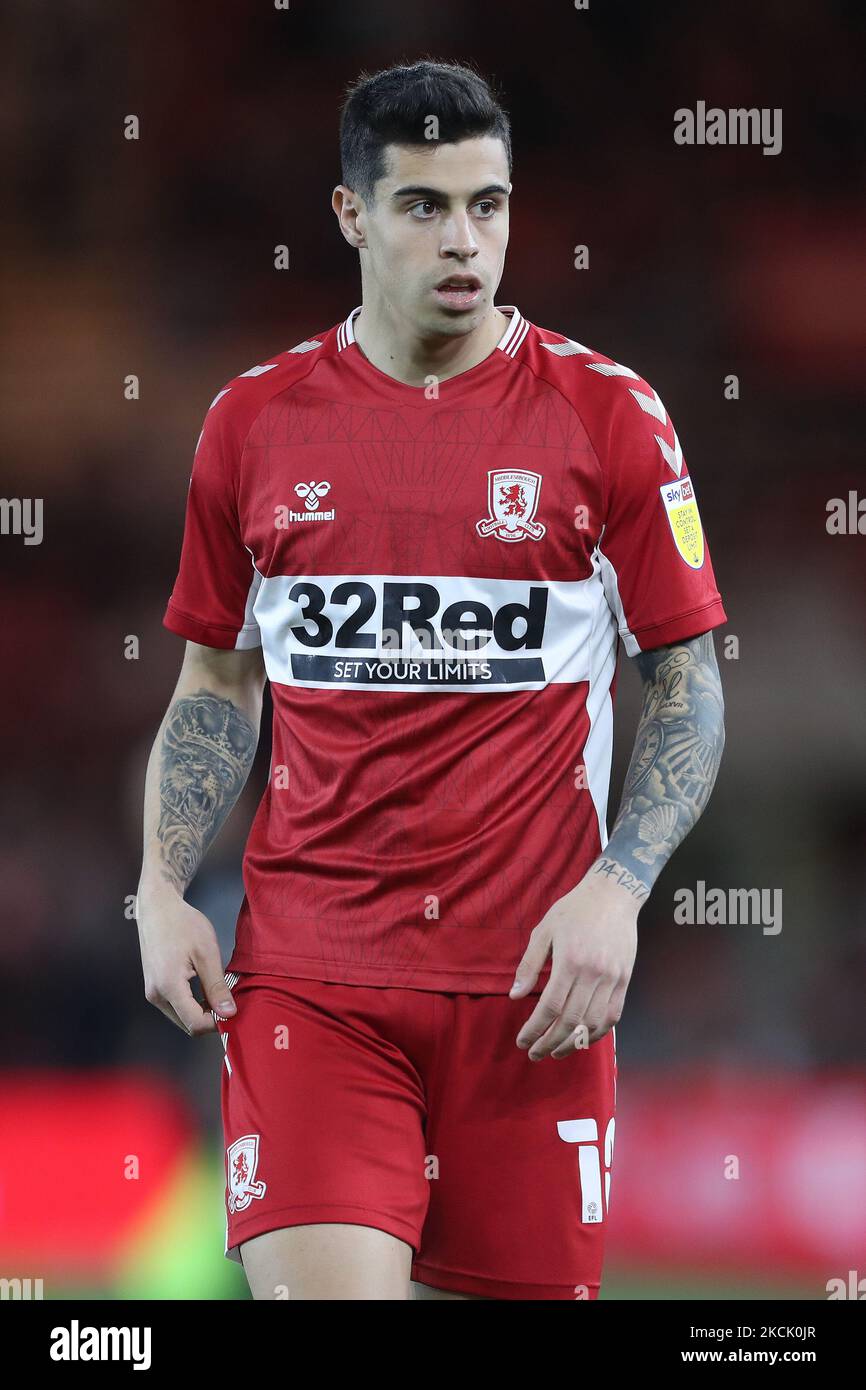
(439, 212)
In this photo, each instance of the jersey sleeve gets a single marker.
(212, 599)
(656, 567)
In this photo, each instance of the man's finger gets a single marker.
(589, 1025)
(194, 1018)
(614, 1006)
(527, 971)
(209, 968)
(172, 1017)
(563, 1028)
(572, 1014)
(551, 1003)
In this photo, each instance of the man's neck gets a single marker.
(411, 359)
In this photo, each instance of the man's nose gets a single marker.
(458, 237)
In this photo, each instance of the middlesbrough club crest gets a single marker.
(512, 501)
(242, 1160)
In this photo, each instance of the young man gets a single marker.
(428, 527)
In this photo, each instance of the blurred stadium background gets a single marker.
(155, 257)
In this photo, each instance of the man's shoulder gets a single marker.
(239, 402)
(607, 394)
(579, 371)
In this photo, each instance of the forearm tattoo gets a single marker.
(207, 751)
(674, 764)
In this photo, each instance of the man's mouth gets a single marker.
(459, 291)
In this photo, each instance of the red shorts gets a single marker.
(415, 1112)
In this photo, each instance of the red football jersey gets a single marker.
(439, 578)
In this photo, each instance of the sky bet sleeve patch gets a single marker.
(685, 522)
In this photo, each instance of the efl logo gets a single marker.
(512, 501)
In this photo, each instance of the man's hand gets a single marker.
(592, 932)
(178, 943)
(593, 929)
(197, 768)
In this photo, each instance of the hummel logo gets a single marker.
(311, 493)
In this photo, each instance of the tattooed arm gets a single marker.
(592, 931)
(198, 766)
(676, 756)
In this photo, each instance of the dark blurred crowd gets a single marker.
(153, 258)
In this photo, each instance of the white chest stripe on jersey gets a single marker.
(446, 633)
(651, 405)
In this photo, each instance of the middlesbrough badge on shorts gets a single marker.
(512, 501)
(242, 1160)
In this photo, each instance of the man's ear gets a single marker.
(342, 195)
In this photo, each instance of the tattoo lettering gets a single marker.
(611, 869)
(207, 751)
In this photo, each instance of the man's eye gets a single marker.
(487, 203)
(426, 204)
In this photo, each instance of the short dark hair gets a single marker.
(391, 107)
